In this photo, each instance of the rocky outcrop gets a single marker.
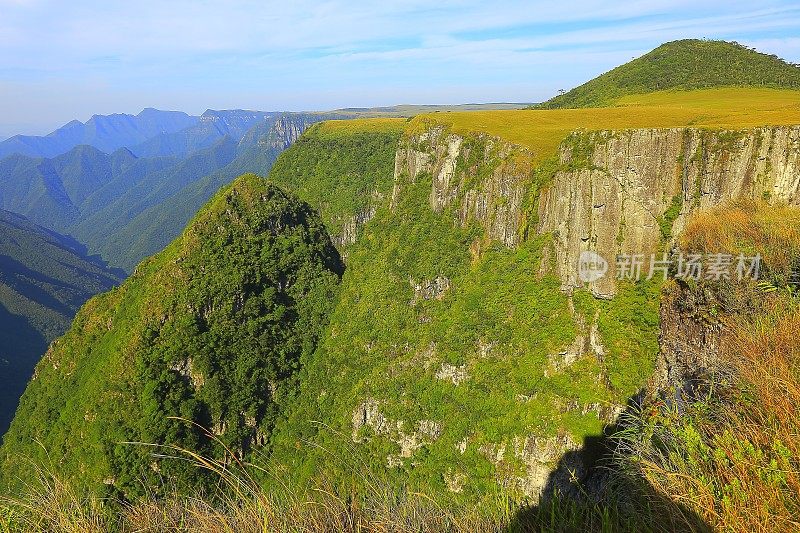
(452, 373)
(587, 342)
(543, 460)
(629, 192)
(430, 289)
(480, 177)
(368, 416)
(352, 227)
(286, 129)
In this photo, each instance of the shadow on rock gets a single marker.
(588, 491)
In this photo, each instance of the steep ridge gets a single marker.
(106, 133)
(212, 330)
(683, 65)
(44, 279)
(154, 226)
(126, 208)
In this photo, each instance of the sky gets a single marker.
(63, 60)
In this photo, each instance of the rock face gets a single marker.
(484, 177)
(616, 200)
(615, 193)
(352, 227)
(689, 343)
(368, 415)
(286, 130)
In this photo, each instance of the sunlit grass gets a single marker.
(749, 227)
(730, 454)
(361, 125)
(543, 130)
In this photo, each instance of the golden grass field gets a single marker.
(333, 127)
(542, 130)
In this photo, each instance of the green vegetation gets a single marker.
(683, 65)
(666, 221)
(44, 279)
(498, 323)
(211, 330)
(341, 167)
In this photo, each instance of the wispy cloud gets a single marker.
(111, 56)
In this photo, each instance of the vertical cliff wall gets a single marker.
(483, 178)
(635, 189)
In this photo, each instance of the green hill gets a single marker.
(44, 279)
(683, 65)
(212, 330)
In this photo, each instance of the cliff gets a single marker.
(452, 293)
(634, 190)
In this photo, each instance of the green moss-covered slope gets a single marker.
(341, 171)
(211, 330)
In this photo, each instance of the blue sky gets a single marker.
(61, 60)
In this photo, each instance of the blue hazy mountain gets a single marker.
(104, 132)
(126, 206)
(211, 127)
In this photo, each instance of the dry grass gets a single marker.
(248, 509)
(543, 130)
(244, 504)
(748, 227)
(736, 463)
(50, 505)
(732, 456)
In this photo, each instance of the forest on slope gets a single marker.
(683, 65)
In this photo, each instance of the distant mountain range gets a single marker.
(106, 133)
(94, 196)
(44, 278)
